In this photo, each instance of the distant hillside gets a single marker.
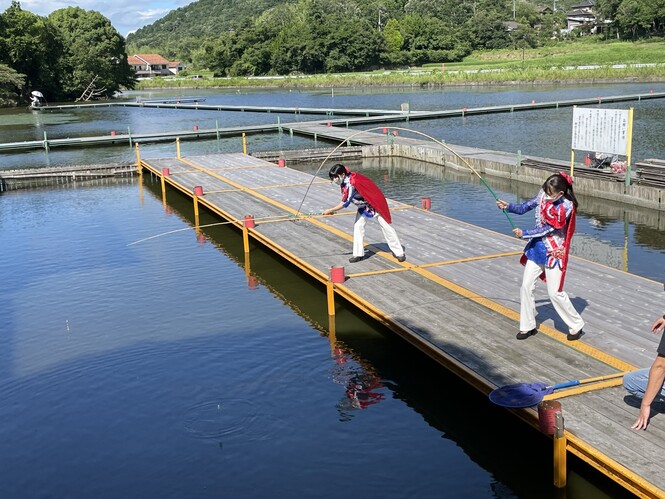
(276, 37)
(182, 28)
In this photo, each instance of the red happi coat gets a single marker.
(371, 193)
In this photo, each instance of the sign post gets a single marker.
(604, 130)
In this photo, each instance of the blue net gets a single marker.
(520, 394)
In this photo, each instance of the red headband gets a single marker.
(567, 177)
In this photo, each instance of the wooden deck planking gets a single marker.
(429, 237)
(473, 334)
(620, 326)
(604, 419)
(636, 348)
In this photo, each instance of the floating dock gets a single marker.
(40, 177)
(456, 298)
(193, 103)
(358, 117)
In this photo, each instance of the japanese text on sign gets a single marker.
(603, 130)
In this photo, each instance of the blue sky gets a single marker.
(125, 15)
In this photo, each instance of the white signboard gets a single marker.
(600, 130)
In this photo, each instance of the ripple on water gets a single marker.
(217, 419)
(225, 419)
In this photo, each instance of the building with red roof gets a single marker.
(149, 65)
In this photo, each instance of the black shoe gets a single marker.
(401, 258)
(524, 335)
(576, 336)
(355, 259)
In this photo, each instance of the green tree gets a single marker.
(607, 9)
(393, 38)
(352, 45)
(636, 17)
(487, 31)
(32, 47)
(526, 13)
(11, 86)
(92, 48)
(428, 33)
(290, 49)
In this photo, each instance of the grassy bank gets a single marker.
(586, 60)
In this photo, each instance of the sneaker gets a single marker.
(523, 335)
(401, 258)
(574, 336)
(355, 259)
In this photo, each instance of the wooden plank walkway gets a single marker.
(457, 299)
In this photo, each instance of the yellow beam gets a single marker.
(330, 294)
(560, 465)
(471, 259)
(481, 300)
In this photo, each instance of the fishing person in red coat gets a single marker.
(371, 204)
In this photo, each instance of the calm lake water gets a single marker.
(545, 133)
(159, 369)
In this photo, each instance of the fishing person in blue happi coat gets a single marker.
(546, 253)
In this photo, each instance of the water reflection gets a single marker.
(173, 364)
(361, 383)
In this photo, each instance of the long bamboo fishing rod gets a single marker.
(466, 163)
(308, 215)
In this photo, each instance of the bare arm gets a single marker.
(654, 384)
(330, 211)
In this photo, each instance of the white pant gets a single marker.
(388, 233)
(560, 300)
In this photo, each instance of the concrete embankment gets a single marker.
(531, 170)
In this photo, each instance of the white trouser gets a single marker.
(389, 235)
(560, 300)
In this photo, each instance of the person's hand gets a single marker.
(502, 204)
(518, 233)
(657, 327)
(642, 420)
(328, 212)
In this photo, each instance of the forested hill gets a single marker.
(197, 21)
(263, 37)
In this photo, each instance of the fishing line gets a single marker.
(276, 218)
(466, 163)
